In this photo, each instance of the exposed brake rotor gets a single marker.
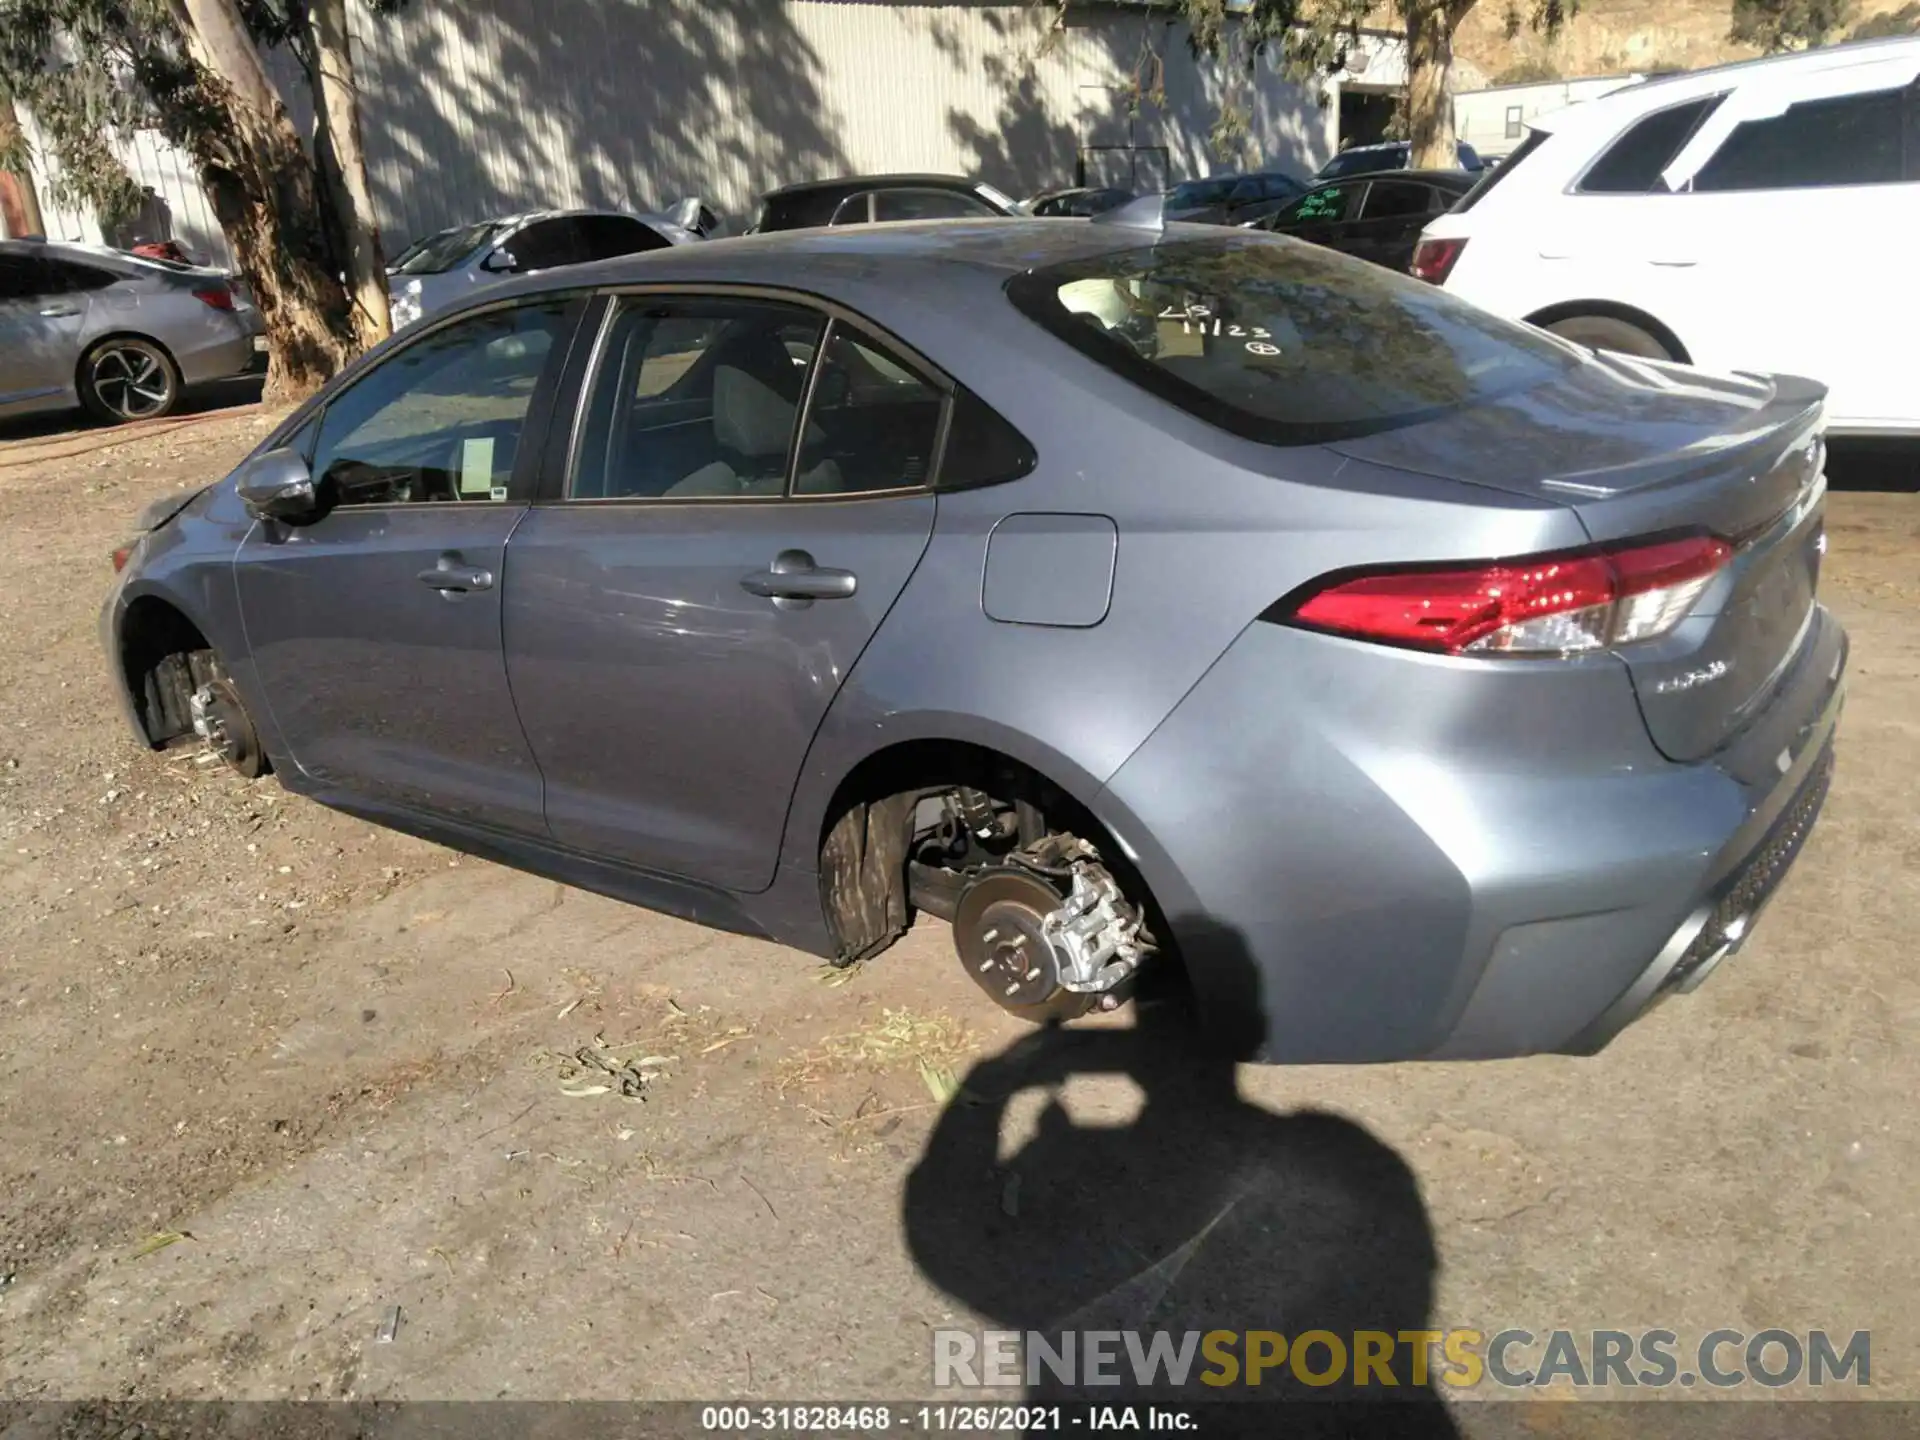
(999, 928)
(1049, 941)
(222, 722)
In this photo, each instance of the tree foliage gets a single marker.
(93, 72)
(1777, 25)
(1311, 40)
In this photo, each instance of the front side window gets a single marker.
(695, 398)
(544, 244)
(1322, 207)
(439, 253)
(1284, 344)
(440, 420)
(1632, 165)
(927, 205)
(1845, 140)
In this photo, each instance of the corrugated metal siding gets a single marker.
(472, 108)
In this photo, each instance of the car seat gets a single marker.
(756, 394)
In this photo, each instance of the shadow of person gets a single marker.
(1204, 1213)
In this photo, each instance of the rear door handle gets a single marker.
(452, 577)
(59, 308)
(795, 577)
(1674, 262)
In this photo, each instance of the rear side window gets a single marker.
(1284, 344)
(1846, 140)
(1396, 199)
(1490, 178)
(1633, 163)
(982, 447)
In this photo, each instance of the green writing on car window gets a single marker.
(1327, 205)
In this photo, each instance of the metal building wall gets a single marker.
(473, 108)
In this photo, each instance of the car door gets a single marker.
(43, 310)
(1390, 220)
(687, 603)
(375, 627)
(1790, 245)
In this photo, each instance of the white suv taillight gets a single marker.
(1543, 605)
(1434, 259)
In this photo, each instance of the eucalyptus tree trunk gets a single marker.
(265, 192)
(336, 103)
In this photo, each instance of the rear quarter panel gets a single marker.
(1211, 531)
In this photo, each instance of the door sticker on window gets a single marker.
(1327, 205)
(476, 466)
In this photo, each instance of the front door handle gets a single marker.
(59, 308)
(452, 577)
(794, 577)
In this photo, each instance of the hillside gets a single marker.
(1612, 37)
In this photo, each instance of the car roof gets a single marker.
(120, 261)
(920, 264)
(1661, 91)
(871, 182)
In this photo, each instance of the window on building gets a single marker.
(1515, 120)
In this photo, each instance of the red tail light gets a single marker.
(218, 296)
(122, 555)
(1433, 260)
(1543, 605)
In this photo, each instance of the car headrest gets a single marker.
(751, 418)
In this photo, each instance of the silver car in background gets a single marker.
(119, 334)
(451, 264)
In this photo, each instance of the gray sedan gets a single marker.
(449, 265)
(1420, 683)
(120, 335)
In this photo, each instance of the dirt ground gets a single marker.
(266, 1074)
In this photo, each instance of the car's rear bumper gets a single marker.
(1369, 855)
(222, 348)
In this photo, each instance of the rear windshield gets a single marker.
(438, 253)
(1283, 342)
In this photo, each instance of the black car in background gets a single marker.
(1081, 200)
(1232, 199)
(1374, 217)
(867, 199)
(1388, 155)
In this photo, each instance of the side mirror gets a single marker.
(500, 262)
(687, 215)
(276, 486)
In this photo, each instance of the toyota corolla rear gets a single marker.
(1441, 797)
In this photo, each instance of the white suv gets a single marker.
(1761, 216)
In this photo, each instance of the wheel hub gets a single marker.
(999, 931)
(221, 721)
